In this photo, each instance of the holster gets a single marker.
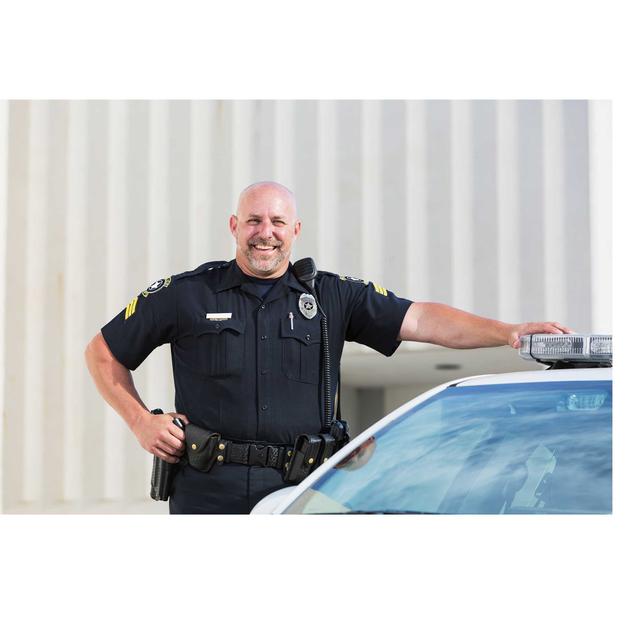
(310, 451)
(163, 472)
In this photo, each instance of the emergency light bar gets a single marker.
(549, 348)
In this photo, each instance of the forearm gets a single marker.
(114, 382)
(450, 327)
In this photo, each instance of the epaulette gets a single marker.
(207, 266)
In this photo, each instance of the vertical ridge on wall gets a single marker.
(373, 218)
(349, 224)
(530, 206)
(15, 390)
(200, 192)
(461, 241)
(600, 205)
(416, 204)
(393, 197)
(4, 196)
(241, 150)
(35, 257)
(327, 194)
(75, 333)
(508, 285)
(223, 195)
(53, 319)
(439, 194)
(306, 178)
(483, 222)
(96, 310)
(283, 143)
(554, 227)
(576, 201)
(116, 281)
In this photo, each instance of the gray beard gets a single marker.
(261, 265)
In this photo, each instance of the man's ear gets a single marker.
(296, 228)
(233, 225)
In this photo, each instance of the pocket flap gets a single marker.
(305, 331)
(202, 325)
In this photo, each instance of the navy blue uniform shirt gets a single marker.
(246, 367)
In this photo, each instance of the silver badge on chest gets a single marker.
(307, 305)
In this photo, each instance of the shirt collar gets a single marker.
(233, 276)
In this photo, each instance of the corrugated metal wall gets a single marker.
(484, 205)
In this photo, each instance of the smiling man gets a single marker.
(245, 340)
(265, 228)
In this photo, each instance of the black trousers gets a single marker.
(228, 488)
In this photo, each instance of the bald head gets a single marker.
(275, 192)
(265, 226)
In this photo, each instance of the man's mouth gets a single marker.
(264, 248)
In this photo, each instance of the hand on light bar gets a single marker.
(527, 328)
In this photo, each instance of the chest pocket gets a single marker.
(301, 349)
(215, 348)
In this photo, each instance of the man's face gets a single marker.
(265, 228)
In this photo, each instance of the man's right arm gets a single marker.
(156, 433)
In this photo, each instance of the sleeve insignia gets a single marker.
(156, 286)
(131, 308)
(381, 290)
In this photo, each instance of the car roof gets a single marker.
(546, 375)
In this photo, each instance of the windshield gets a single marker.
(516, 448)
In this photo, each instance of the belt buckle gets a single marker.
(259, 454)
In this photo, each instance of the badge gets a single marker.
(156, 286)
(307, 306)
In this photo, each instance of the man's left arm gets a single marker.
(449, 327)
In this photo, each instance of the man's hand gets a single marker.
(158, 435)
(528, 328)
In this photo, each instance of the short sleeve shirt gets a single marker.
(246, 367)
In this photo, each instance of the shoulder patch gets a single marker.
(207, 266)
(154, 287)
(351, 279)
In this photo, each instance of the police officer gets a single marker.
(245, 341)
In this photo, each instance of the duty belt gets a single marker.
(205, 448)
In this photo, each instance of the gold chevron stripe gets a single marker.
(379, 289)
(131, 308)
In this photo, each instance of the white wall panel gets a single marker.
(601, 203)
(375, 221)
(461, 240)
(35, 312)
(460, 202)
(554, 223)
(4, 201)
(509, 287)
(76, 256)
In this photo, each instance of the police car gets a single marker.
(535, 442)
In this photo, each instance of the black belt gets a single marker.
(253, 453)
(205, 448)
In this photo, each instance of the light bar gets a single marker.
(571, 347)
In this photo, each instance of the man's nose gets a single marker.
(266, 229)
